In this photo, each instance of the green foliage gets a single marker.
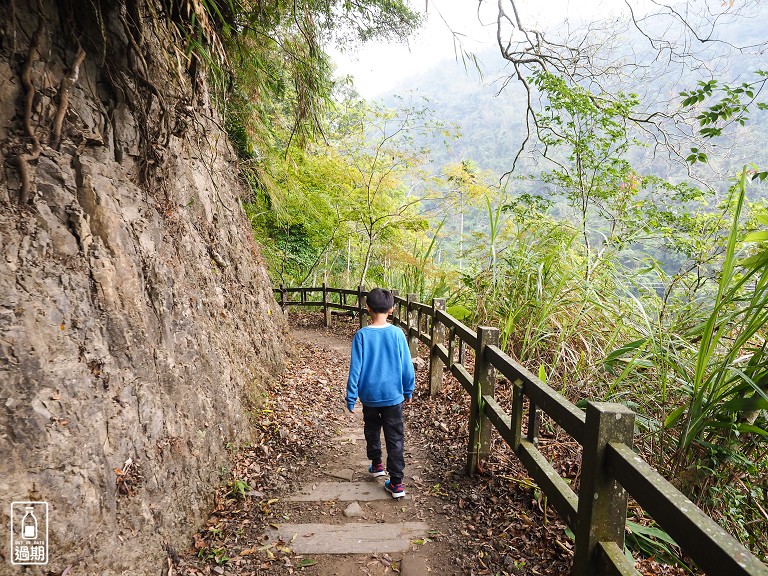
(379, 159)
(589, 137)
(459, 312)
(343, 208)
(704, 367)
(269, 72)
(653, 542)
(728, 105)
(721, 377)
(218, 555)
(235, 37)
(418, 270)
(238, 488)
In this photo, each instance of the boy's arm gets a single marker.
(407, 373)
(355, 365)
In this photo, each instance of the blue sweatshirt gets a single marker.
(381, 370)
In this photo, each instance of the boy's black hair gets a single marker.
(380, 300)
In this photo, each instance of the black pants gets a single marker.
(391, 419)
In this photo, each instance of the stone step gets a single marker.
(343, 491)
(350, 437)
(346, 474)
(349, 538)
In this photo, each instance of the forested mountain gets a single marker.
(489, 110)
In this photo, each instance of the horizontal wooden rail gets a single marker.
(611, 470)
(464, 333)
(551, 483)
(462, 375)
(442, 352)
(295, 290)
(614, 562)
(679, 517)
(566, 414)
(421, 307)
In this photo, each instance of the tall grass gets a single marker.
(532, 286)
(714, 378)
(693, 366)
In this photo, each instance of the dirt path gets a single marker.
(291, 482)
(299, 498)
(355, 503)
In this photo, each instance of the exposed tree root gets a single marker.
(140, 75)
(66, 85)
(23, 159)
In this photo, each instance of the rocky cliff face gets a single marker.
(136, 320)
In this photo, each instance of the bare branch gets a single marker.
(679, 39)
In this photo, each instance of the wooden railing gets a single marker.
(611, 471)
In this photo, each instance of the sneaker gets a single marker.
(397, 490)
(377, 470)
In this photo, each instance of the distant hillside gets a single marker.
(492, 125)
(491, 116)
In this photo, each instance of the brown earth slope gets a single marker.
(137, 324)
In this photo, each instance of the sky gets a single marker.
(379, 67)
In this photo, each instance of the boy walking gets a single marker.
(381, 375)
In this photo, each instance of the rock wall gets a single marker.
(136, 319)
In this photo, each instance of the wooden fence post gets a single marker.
(602, 510)
(362, 311)
(396, 308)
(484, 384)
(437, 336)
(283, 299)
(534, 422)
(326, 307)
(412, 315)
(516, 413)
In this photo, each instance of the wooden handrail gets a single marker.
(565, 413)
(611, 470)
(702, 538)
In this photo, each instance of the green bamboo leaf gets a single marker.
(746, 404)
(746, 428)
(632, 346)
(672, 419)
(650, 531)
(759, 236)
(756, 260)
